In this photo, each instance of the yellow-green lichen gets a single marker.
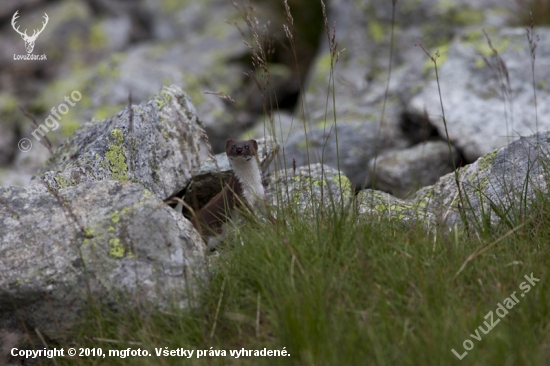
(318, 182)
(440, 56)
(117, 249)
(97, 38)
(88, 231)
(343, 182)
(115, 216)
(487, 160)
(376, 31)
(380, 207)
(323, 67)
(118, 135)
(484, 184)
(116, 158)
(63, 182)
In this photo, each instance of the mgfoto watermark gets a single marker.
(501, 311)
(50, 123)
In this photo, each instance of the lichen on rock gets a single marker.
(166, 132)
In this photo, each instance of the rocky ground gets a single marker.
(131, 96)
(109, 50)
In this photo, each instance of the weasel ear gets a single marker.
(255, 144)
(228, 144)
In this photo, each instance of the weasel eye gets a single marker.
(246, 147)
(233, 147)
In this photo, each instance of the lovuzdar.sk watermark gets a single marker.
(501, 311)
(29, 40)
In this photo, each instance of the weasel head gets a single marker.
(241, 150)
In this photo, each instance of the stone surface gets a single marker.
(494, 188)
(311, 188)
(378, 204)
(355, 92)
(157, 147)
(486, 108)
(358, 142)
(405, 171)
(108, 240)
(191, 45)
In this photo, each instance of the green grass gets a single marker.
(350, 291)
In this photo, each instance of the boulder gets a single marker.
(403, 172)
(155, 144)
(355, 93)
(489, 99)
(495, 189)
(358, 142)
(107, 242)
(190, 44)
(378, 204)
(312, 188)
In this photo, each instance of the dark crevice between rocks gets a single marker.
(295, 64)
(418, 129)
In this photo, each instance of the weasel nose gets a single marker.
(239, 150)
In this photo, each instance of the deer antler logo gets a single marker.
(29, 41)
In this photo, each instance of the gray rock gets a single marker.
(158, 147)
(358, 142)
(404, 171)
(363, 29)
(194, 47)
(483, 110)
(372, 203)
(495, 188)
(104, 241)
(311, 188)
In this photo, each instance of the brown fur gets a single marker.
(210, 218)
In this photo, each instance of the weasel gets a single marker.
(246, 184)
